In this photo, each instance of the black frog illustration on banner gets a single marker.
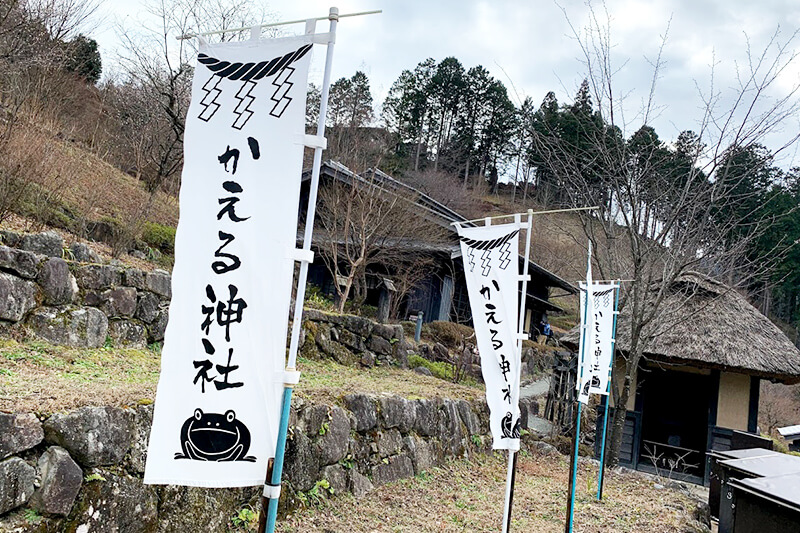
(510, 432)
(215, 437)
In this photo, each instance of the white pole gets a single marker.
(312, 196)
(529, 213)
(271, 25)
(520, 331)
(277, 470)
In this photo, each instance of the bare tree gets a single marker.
(407, 275)
(664, 212)
(154, 90)
(778, 406)
(156, 77)
(34, 88)
(363, 224)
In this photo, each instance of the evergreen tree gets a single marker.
(83, 58)
(446, 90)
(406, 110)
(350, 102)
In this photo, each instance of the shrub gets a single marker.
(159, 236)
(316, 299)
(450, 334)
(440, 370)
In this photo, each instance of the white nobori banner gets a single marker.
(222, 368)
(491, 267)
(598, 349)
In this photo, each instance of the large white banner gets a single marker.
(598, 350)
(218, 404)
(491, 267)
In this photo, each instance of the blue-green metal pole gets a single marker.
(280, 451)
(574, 479)
(607, 398)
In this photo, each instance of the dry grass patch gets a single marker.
(326, 381)
(84, 180)
(36, 376)
(40, 377)
(468, 496)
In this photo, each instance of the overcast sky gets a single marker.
(530, 47)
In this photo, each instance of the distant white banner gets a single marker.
(491, 267)
(219, 395)
(597, 353)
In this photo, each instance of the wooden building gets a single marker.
(442, 294)
(698, 381)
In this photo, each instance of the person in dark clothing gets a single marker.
(545, 331)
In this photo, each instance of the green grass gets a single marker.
(41, 377)
(328, 381)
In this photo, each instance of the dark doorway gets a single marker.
(674, 423)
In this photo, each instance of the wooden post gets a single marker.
(384, 302)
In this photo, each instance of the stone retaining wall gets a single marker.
(82, 471)
(80, 301)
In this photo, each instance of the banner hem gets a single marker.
(211, 484)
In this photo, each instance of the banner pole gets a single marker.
(510, 478)
(579, 374)
(277, 472)
(573, 477)
(607, 398)
(512, 454)
(602, 450)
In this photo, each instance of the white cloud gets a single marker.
(530, 44)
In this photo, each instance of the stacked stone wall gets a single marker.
(82, 471)
(69, 297)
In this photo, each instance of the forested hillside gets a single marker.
(77, 149)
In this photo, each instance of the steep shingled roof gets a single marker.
(435, 211)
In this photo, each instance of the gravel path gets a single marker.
(537, 388)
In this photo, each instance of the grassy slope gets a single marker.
(84, 181)
(36, 376)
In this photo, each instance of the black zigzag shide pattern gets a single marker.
(491, 244)
(248, 74)
(251, 71)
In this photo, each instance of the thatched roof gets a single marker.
(715, 327)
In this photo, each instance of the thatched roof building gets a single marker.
(697, 387)
(710, 325)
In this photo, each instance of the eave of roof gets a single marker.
(434, 210)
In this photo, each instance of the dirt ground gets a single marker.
(468, 496)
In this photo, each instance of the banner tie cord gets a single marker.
(313, 141)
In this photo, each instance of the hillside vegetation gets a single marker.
(68, 185)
